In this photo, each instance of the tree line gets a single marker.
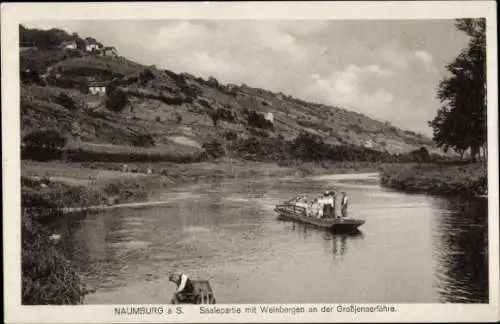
(50, 39)
(460, 123)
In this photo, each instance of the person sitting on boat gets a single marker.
(344, 204)
(313, 211)
(185, 288)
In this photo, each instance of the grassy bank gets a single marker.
(437, 179)
(48, 278)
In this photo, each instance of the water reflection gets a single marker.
(335, 243)
(461, 235)
(227, 232)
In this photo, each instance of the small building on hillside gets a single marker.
(108, 51)
(232, 88)
(91, 47)
(97, 88)
(269, 117)
(369, 143)
(69, 45)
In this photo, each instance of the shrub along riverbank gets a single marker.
(48, 278)
(437, 178)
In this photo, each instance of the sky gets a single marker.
(387, 70)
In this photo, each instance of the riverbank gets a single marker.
(50, 190)
(437, 179)
(78, 186)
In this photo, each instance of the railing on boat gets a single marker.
(292, 209)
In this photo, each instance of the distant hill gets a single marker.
(179, 112)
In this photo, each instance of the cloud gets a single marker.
(424, 57)
(345, 88)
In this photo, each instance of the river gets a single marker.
(412, 248)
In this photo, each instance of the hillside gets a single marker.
(170, 113)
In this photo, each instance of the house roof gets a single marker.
(96, 84)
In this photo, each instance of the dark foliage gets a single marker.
(31, 77)
(255, 119)
(43, 145)
(117, 100)
(214, 148)
(461, 123)
(80, 155)
(231, 136)
(48, 278)
(143, 140)
(66, 101)
(146, 76)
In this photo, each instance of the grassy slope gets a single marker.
(173, 125)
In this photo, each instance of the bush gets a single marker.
(255, 119)
(143, 140)
(66, 101)
(116, 100)
(214, 148)
(48, 278)
(178, 118)
(222, 114)
(204, 103)
(262, 149)
(432, 178)
(146, 76)
(131, 156)
(309, 147)
(43, 145)
(213, 82)
(231, 136)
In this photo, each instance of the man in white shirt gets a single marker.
(185, 287)
(344, 204)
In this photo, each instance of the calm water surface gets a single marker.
(413, 248)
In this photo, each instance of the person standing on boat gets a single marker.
(328, 211)
(344, 204)
(314, 208)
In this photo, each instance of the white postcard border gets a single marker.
(14, 13)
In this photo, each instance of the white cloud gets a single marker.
(403, 59)
(345, 88)
(424, 57)
(377, 70)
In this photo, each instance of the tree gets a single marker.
(461, 123)
(43, 145)
(116, 100)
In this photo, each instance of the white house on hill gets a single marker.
(269, 116)
(69, 45)
(369, 143)
(90, 47)
(97, 88)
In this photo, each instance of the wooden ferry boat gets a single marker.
(293, 211)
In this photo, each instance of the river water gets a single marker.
(412, 248)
